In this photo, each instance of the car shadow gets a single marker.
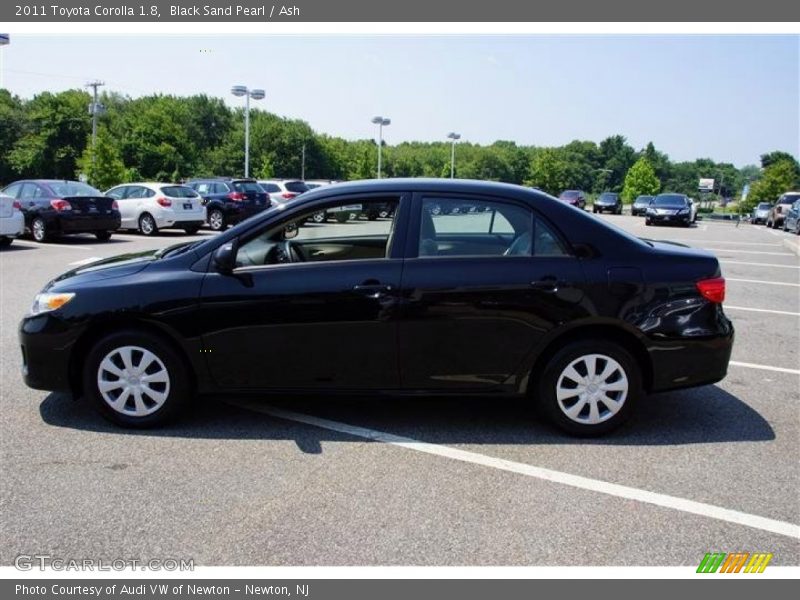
(15, 248)
(697, 416)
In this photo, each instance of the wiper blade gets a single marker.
(176, 248)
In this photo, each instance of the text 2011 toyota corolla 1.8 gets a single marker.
(526, 297)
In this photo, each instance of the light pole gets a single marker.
(95, 109)
(239, 91)
(453, 136)
(381, 122)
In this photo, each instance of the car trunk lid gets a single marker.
(90, 205)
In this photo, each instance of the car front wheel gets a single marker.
(216, 220)
(590, 387)
(135, 379)
(147, 224)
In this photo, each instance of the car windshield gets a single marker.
(298, 187)
(73, 188)
(569, 194)
(247, 186)
(178, 191)
(643, 200)
(789, 199)
(608, 197)
(670, 200)
(764, 206)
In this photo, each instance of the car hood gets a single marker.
(107, 268)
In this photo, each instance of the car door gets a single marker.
(479, 290)
(327, 322)
(127, 207)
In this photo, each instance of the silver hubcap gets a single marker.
(215, 220)
(147, 225)
(318, 217)
(38, 229)
(133, 381)
(592, 389)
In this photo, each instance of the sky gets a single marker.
(730, 98)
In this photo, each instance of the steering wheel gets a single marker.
(287, 253)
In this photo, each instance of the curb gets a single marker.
(793, 246)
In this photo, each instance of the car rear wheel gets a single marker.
(192, 229)
(147, 224)
(319, 217)
(39, 230)
(134, 379)
(590, 387)
(342, 217)
(102, 236)
(216, 220)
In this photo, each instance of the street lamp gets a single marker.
(239, 91)
(453, 136)
(381, 122)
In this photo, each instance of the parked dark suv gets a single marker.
(526, 298)
(54, 207)
(229, 201)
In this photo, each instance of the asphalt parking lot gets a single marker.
(312, 481)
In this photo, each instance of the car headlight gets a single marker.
(46, 302)
(651, 211)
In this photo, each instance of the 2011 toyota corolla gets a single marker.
(525, 297)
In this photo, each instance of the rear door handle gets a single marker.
(373, 290)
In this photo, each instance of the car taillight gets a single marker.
(288, 195)
(166, 202)
(712, 289)
(236, 196)
(60, 205)
(114, 205)
(16, 205)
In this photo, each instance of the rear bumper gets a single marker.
(691, 362)
(87, 223)
(180, 218)
(12, 226)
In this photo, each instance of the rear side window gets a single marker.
(178, 191)
(13, 190)
(298, 187)
(247, 186)
(270, 188)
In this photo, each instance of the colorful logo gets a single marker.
(735, 562)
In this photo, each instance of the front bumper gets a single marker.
(47, 343)
(670, 219)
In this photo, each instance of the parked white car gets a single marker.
(149, 207)
(12, 221)
(693, 209)
(282, 191)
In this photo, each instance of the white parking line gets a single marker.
(755, 264)
(595, 485)
(51, 245)
(85, 261)
(786, 254)
(762, 310)
(702, 242)
(763, 282)
(736, 363)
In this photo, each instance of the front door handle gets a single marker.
(547, 284)
(372, 290)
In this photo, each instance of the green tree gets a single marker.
(107, 168)
(778, 177)
(640, 180)
(549, 171)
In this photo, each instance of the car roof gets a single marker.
(427, 184)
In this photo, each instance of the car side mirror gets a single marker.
(225, 258)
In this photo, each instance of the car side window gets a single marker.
(348, 230)
(30, 191)
(474, 227)
(220, 188)
(13, 190)
(117, 193)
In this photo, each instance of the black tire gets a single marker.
(648, 222)
(5, 242)
(342, 217)
(147, 224)
(178, 390)
(102, 236)
(372, 215)
(39, 230)
(547, 400)
(319, 217)
(594, 210)
(192, 230)
(216, 220)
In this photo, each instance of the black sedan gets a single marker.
(669, 209)
(526, 298)
(608, 202)
(54, 207)
(639, 206)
